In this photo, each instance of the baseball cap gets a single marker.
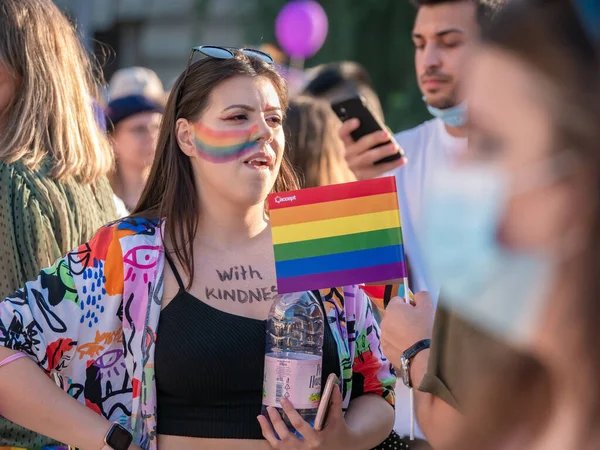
(124, 107)
(136, 81)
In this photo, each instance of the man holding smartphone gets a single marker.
(442, 34)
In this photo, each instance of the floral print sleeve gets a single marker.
(369, 361)
(42, 319)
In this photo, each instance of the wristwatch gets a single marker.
(117, 438)
(406, 358)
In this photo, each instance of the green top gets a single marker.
(459, 354)
(42, 219)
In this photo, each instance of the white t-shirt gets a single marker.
(426, 147)
(120, 207)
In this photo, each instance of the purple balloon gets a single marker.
(301, 28)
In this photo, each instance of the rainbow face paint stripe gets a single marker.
(337, 235)
(220, 146)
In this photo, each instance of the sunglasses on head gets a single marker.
(215, 52)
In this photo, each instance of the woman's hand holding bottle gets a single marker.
(335, 435)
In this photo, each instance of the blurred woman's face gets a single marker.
(236, 146)
(134, 140)
(511, 129)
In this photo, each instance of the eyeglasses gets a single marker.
(213, 51)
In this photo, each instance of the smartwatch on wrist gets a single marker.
(407, 356)
(118, 438)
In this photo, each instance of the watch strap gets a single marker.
(411, 352)
(406, 358)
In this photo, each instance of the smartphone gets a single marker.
(356, 107)
(323, 410)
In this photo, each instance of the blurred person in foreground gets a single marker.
(53, 156)
(133, 125)
(195, 381)
(526, 267)
(313, 145)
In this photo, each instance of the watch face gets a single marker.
(118, 438)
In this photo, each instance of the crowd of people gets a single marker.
(118, 216)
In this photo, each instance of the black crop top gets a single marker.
(209, 369)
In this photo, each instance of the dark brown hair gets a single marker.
(486, 9)
(548, 36)
(170, 191)
(340, 80)
(312, 143)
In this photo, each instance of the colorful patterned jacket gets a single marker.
(90, 322)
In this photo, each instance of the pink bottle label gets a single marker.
(297, 380)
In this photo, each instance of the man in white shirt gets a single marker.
(442, 34)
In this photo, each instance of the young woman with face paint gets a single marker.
(196, 256)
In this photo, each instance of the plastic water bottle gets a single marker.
(294, 355)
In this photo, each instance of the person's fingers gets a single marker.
(335, 408)
(395, 304)
(411, 298)
(362, 155)
(336, 402)
(364, 168)
(278, 424)
(376, 139)
(387, 321)
(304, 428)
(423, 300)
(376, 154)
(345, 131)
(267, 431)
(356, 149)
(395, 314)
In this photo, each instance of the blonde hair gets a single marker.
(313, 145)
(51, 114)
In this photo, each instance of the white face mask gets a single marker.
(455, 116)
(500, 291)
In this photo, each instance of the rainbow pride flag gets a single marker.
(337, 235)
